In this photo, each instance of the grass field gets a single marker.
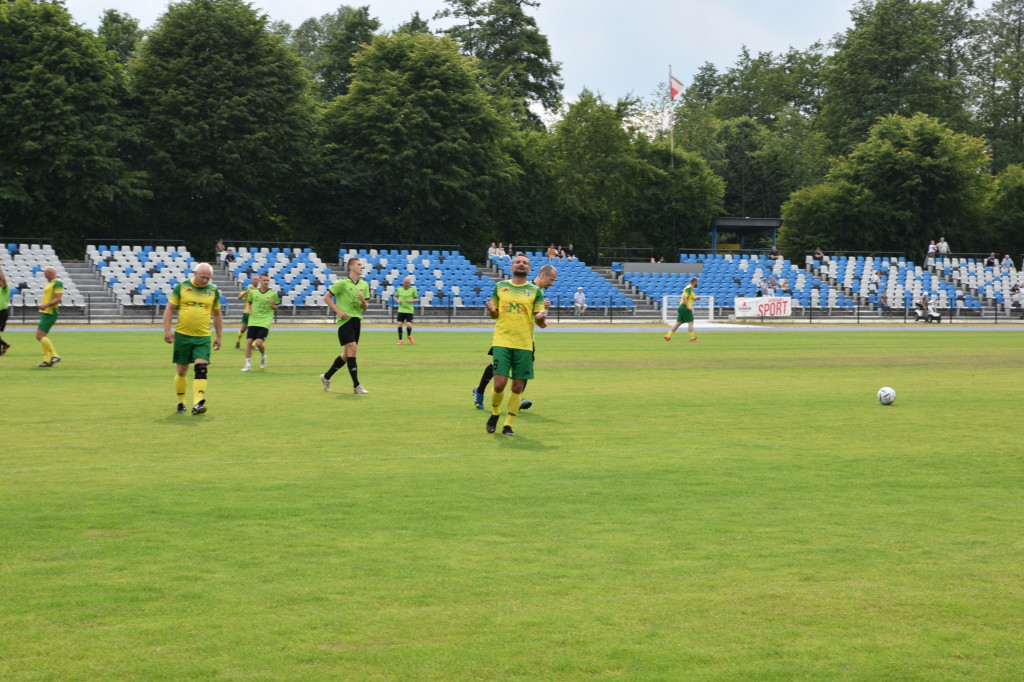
(740, 508)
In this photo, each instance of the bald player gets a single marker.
(197, 301)
(53, 294)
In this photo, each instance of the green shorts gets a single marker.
(46, 321)
(190, 348)
(513, 363)
(685, 314)
(245, 319)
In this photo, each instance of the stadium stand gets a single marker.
(442, 277)
(571, 275)
(728, 276)
(298, 274)
(141, 275)
(24, 264)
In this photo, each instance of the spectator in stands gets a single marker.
(773, 284)
(1007, 263)
(942, 248)
(53, 294)
(762, 288)
(932, 250)
(784, 286)
(818, 255)
(1017, 298)
(992, 261)
(510, 250)
(661, 259)
(220, 248)
(561, 253)
(552, 252)
(579, 301)
(876, 281)
(774, 253)
(5, 302)
(883, 303)
(492, 251)
(501, 249)
(570, 253)
(197, 301)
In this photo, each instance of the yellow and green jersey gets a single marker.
(261, 308)
(49, 293)
(248, 304)
(346, 297)
(405, 296)
(195, 307)
(517, 305)
(688, 296)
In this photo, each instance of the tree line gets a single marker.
(218, 122)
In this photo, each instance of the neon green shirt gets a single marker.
(405, 296)
(346, 297)
(261, 312)
(5, 297)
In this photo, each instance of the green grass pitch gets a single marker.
(741, 508)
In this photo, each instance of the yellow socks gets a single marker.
(180, 383)
(239, 339)
(692, 336)
(514, 401)
(48, 350)
(198, 390)
(496, 398)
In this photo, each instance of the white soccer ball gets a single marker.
(886, 395)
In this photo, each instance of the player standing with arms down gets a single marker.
(262, 304)
(53, 294)
(516, 305)
(685, 313)
(405, 296)
(348, 298)
(544, 279)
(197, 301)
(248, 307)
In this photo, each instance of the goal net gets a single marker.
(704, 305)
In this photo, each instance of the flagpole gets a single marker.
(671, 121)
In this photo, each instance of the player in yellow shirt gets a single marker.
(685, 313)
(53, 294)
(516, 305)
(197, 302)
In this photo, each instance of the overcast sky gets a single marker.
(613, 48)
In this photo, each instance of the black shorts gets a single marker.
(405, 317)
(257, 333)
(3, 318)
(349, 332)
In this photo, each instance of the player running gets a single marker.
(263, 302)
(348, 298)
(53, 294)
(544, 279)
(244, 294)
(516, 305)
(685, 313)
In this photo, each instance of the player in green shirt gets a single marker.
(685, 313)
(263, 302)
(244, 294)
(348, 298)
(5, 302)
(405, 296)
(516, 305)
(197, 301)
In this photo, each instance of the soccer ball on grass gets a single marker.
(886, 395)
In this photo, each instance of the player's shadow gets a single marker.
(186, 420)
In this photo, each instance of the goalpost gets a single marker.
(670, 305)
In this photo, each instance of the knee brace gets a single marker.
(200, 370)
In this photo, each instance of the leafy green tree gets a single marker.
(1006, 211)
(414, 144)
(596, 171)
(227, 120)
(997, 64)
(913, 179)
(673, 206)
(327, 44)
(62, 171)
(894, 60)
(416, 24)
(120, 34)
(515, 56)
